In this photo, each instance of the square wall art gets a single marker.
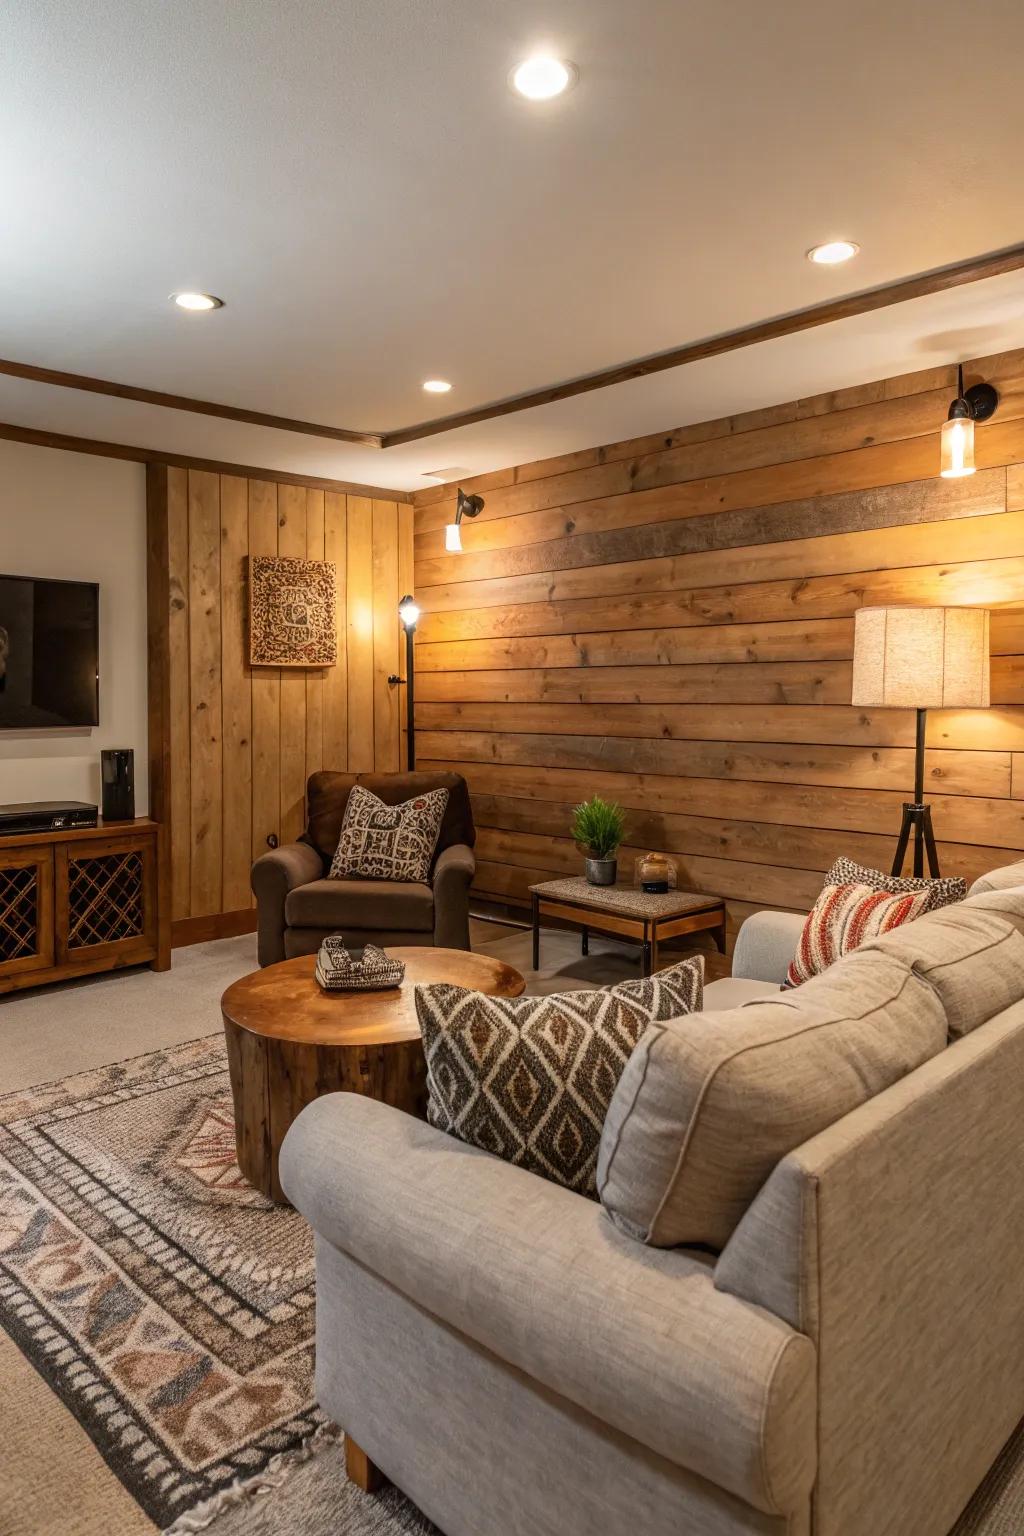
(292, 612)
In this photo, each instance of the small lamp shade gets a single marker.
(921, 658)
(452, 538)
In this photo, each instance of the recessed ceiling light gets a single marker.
(436, 386)
(197, 301)
(832, 252)
(540, 78)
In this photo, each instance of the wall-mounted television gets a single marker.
(49, 653)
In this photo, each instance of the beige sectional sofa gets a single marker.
(842, 1355)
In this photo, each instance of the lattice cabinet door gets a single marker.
(26, 910)
(106, 899)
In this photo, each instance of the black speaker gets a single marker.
(118, 784)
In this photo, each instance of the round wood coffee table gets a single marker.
(289, 1041)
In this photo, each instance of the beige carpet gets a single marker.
(53, 1481)
(52, 1478)
(56, 1031)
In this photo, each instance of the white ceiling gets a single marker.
(358, 183)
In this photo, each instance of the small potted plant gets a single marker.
(597, 828)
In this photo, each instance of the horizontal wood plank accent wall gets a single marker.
(232, 745)
(668, 622)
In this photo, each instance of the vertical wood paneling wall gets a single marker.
(241, 740)
(669, 622)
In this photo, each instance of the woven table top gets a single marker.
(628, 899)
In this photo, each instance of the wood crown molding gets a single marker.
(939, 280)
(93, 386)
(150, 456)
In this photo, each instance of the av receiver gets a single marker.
(46, 816)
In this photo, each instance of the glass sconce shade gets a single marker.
(453, 538)
(957, 452)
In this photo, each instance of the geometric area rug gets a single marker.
(167, 1303)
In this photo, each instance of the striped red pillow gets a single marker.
(843, 917)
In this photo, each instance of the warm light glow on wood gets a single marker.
(921, 658)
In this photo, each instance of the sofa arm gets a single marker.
(638, 1337)
(273, 875)
(765, 945)
(1006, 878)
(453, 876)
(895, 1240)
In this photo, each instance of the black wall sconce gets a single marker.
(465, 506)
(957, 447)
(408, 613)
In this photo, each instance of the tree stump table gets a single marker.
(289, 1041)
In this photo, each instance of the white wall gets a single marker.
(81, 518)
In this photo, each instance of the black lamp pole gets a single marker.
(408, 613)
(917, 818)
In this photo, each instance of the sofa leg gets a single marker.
(361, 1470)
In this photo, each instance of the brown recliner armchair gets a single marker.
(297, 905)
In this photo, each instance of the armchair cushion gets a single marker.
(373, 904)
(327, 796)
(388, 842)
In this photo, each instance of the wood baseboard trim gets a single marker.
(218, 925)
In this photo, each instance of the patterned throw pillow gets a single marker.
(530, 1078)
(388, 842)
(941, 893)
(843, 917)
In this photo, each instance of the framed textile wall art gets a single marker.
(292, 612)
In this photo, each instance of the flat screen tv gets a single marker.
(49, 653)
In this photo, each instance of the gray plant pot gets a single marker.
(602, 871)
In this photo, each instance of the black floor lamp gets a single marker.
(408, 613)
(921, 659)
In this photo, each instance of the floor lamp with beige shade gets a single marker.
(920, 658)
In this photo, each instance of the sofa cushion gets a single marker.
(530, 1078)
(842, 918)
(388, 842)
(972, 957)
(1006, 877)
(731, 991)
(346, 904)
(1006, 902)
(942, 891)
(327, 796)
(708, 1105)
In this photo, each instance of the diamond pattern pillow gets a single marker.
(530, 1078)
(941, 893)
(388, 842)
(843, 917)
